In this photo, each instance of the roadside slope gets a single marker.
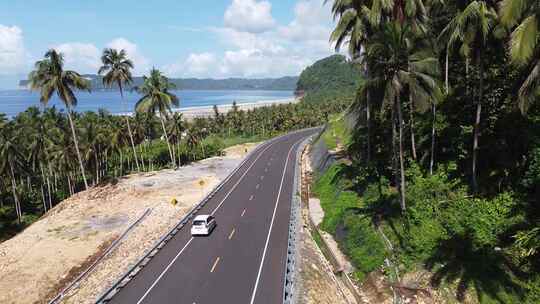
(52, 251)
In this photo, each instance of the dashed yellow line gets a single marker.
(232, 233)
(215, 264)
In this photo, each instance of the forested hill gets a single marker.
(284, 83)
(328, 78)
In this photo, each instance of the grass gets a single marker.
(336, 133)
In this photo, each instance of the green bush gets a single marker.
(360, 241)
(363, 245)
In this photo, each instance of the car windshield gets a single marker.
(199, 223)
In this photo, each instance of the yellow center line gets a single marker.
(232, 233)
(243, 212)
(215, 264)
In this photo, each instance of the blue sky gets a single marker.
(186, 38)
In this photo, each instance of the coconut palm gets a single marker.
(524, 15)
(355, 27)
(49, 77)
(399, 68)
(471, 28)
(157, 98)
(11, 163)
(117, 68)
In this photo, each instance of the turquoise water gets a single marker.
(15, 101)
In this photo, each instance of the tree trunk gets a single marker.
(141, 151)
(179, 159)
(124, 108)
(411, 117)
(368, 122)
(43, 199)
(432, 156)
(76, 142)
(477, 122)
(401, 160)
(97, 168)
(394, 149)
(167, 139)
(446, 70)
(202, 149)
(14, 192)
(44, 180)
(69, 185)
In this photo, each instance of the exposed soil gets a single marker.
(38, 262)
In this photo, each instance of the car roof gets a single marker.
(202, 217)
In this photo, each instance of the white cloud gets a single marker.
(82, 57)
(13, 57)
(311, 23)
(277, 51)
(86, 57)
(196, 65)
(257, 63)
(142, 64)
(249, 16)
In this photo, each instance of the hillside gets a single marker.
(327, 79)
(287, 83)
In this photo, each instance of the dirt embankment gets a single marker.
(38, 262)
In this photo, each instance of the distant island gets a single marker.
(287, 83)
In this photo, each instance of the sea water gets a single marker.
(13, 102)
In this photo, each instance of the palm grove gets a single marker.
(446, 149)
(47, 154)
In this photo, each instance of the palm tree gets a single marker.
(524, 15)
(355, 27)
(176, 131)
(397, 69)
(157, 98)
(471, 28)
(117, 67)
(11, 162)
(50, 77)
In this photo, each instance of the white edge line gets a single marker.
(215, 210)
(271, 225)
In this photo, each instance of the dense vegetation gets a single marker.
(443, 159)
(327, 79)
(284, 83)
(47, 155)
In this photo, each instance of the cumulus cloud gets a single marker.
(82, 57)
(13, 57)
(249, 16)
(310, 25)
(196, 65)
(142, 64)
(252, 50)
(86, 57)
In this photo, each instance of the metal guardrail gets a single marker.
(88, 270)
(290, 295)
(145, 259)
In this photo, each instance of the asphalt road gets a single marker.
(243, 260)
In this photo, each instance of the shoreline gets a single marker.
(208, 110)
(205, 111)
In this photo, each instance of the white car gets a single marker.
(203, 225)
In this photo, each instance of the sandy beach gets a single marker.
(206, 111)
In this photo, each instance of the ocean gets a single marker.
(13, 102)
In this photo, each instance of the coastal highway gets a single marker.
(243, 260)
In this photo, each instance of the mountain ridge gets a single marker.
(286, 83)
